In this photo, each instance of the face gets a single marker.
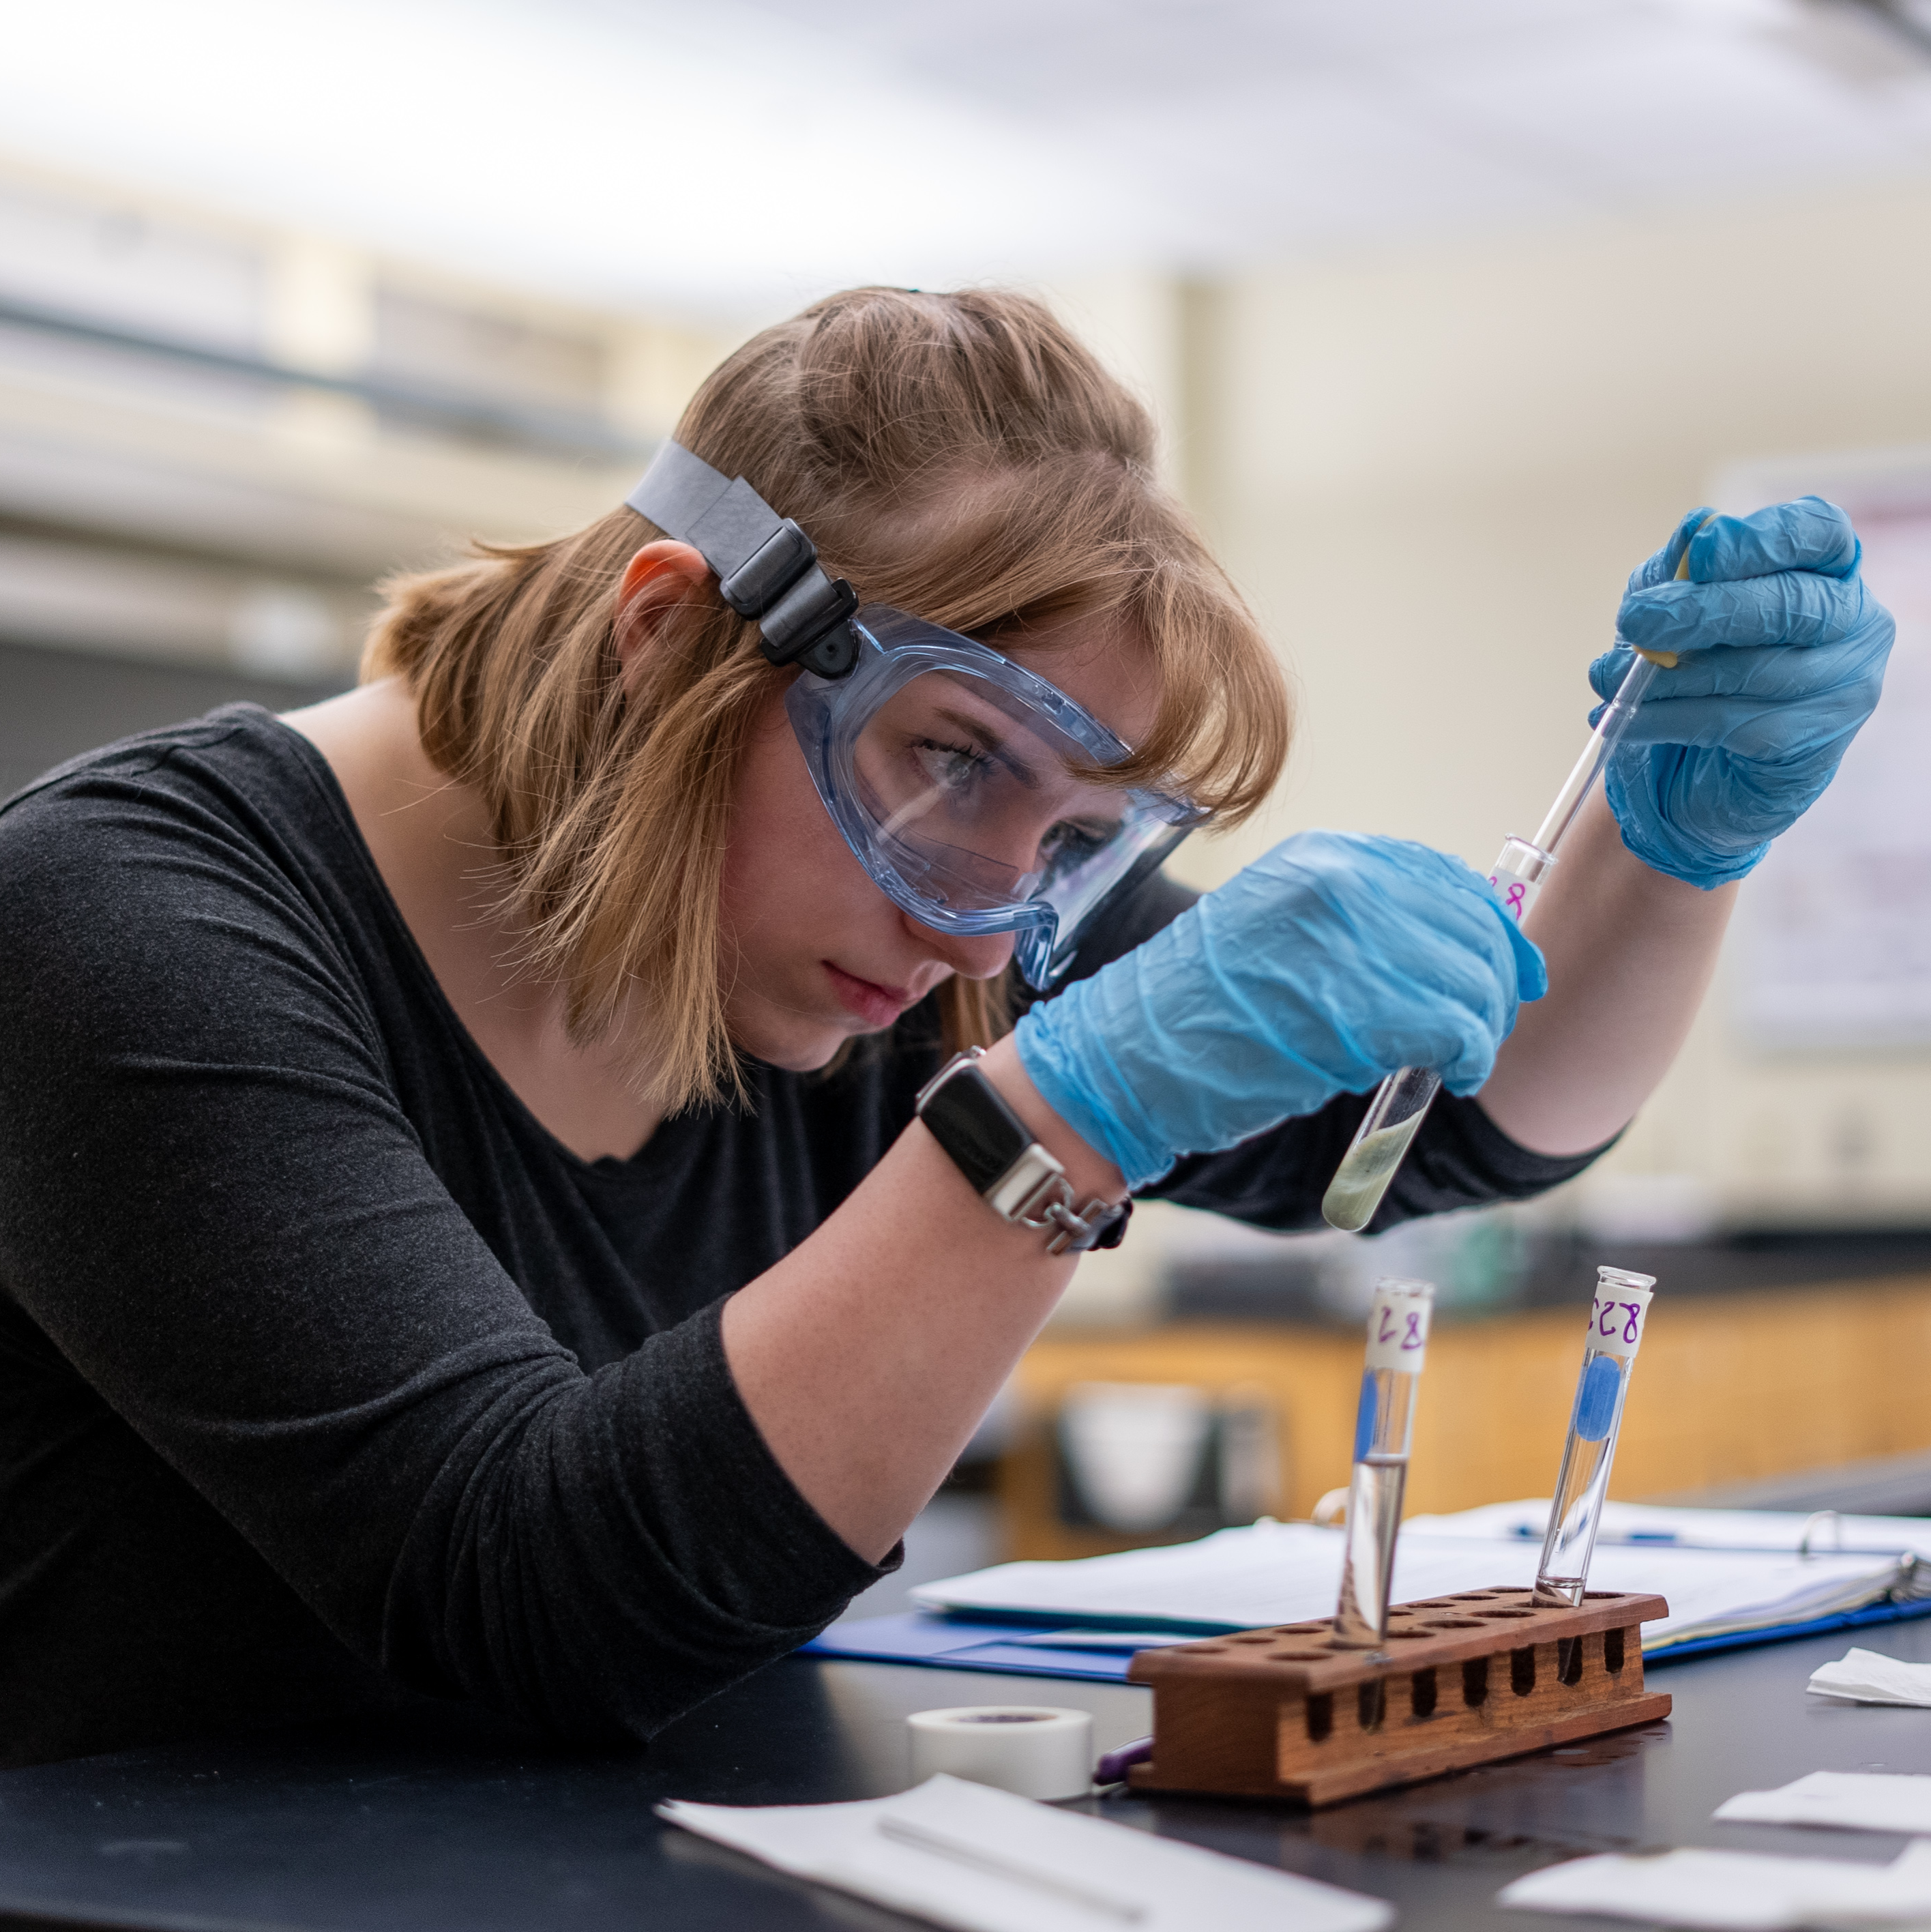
(821, 955)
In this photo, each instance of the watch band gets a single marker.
(1016, 1177)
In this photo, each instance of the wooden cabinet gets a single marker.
(1728, 1387)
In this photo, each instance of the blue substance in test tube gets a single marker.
(1364, 1419)
(1596, 1398)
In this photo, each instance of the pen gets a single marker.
(1114, 1764)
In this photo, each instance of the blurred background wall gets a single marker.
(217, 434)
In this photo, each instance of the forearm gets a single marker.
(869, 1354)
(1630, 954)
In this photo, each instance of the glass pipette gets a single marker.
(1615, 1333)
(1384, 1425)
(1402, 1099)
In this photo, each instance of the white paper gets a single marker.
(1852, 1801)
(1867, 1677)
(1714, 1592)
(1288, 1573)
(1234, 1579)
(1831, 1533)
(1732, 1892)
(990, 1862)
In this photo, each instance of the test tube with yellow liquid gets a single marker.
(1402, 1101)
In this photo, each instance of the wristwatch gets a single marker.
(1015, 1176)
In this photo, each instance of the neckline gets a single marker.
(320, 774)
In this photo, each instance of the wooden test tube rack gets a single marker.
(1294, 1712)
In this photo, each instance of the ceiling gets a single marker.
(727, 157)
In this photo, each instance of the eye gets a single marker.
(1071, 843)
(954, 768)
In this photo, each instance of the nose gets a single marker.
(975, 958)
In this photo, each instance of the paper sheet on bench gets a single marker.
(1869, 1677)
(1849, 1801)
(1089, 1873)
(1732, 1892)
(1286, 1573)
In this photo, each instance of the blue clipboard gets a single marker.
(949, 1643)
(1872, 1613)
(1059, 1649)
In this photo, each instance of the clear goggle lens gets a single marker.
(971, 790)
(980, 808)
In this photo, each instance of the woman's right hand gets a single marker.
(1318, 970)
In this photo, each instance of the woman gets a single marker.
(463, 1228)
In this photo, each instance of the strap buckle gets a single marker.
(767, 568)
(1097, 1224)
(769, 571)
(1047, 1202)
(794, 602)
(809, 622)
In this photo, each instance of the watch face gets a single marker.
(970, 1119)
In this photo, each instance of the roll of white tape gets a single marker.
(1037, 1750)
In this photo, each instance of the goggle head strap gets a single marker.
(767, 567)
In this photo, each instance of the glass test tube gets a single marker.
(1398, 1320)
(1402, 1100)
(1615, 1333)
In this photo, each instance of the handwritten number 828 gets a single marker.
(1607, 1320)
(1410, 1329)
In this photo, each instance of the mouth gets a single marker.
(877, 1006)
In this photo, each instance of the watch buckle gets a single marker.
(957, 1062)
(1032, 1184)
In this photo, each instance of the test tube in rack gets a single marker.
(1615, 1333)
(1397, 1319)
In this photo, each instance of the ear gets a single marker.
(659, 578)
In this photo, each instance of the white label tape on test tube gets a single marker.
(1517, 895)
(1398, 1330)
(1616, 1321)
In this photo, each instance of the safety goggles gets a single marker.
(970, 790)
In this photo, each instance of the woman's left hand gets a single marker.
(1781, 653)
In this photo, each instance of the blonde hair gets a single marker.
(960, 456)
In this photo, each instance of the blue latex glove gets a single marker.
(1783, 652)
(1317, 971)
